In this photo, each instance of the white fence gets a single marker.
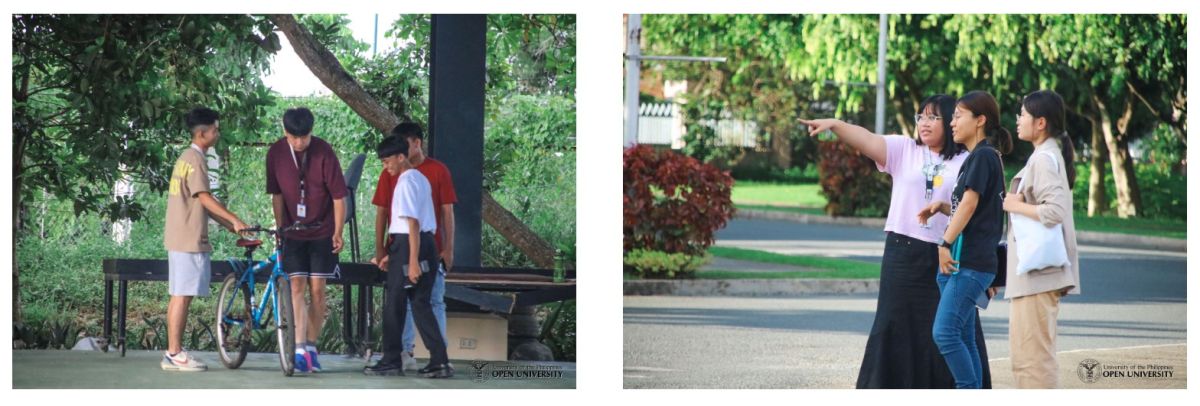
(662, 124)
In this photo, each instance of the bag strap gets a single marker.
(1004, 187)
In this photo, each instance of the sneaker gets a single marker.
(437, 371)
(316, 366)
(182, 362)
(301, 362)
(382, 369)
(410, 363)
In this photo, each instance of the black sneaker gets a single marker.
(437, 371)
(382, 369)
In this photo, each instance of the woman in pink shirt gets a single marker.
(900, 350)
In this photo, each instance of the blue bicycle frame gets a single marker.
(247, 278)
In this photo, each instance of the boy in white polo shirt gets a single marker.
(412, 255)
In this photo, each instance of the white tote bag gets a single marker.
(1038, 246)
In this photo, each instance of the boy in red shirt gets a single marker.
(444, 199)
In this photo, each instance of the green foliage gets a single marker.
(658, 264)
(795, 174)
(753, 84)
(785, 66)
(97, 97)
(529, 167)
(701, 141)
(1166, 198)
(531, 54)
(559, 332)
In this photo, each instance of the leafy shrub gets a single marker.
(701, 141)
(651, 264)
(559, 333)
(1164, 194)
(673, 203)
(529, 167)
(851, 183)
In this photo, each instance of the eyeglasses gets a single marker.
(918, 118)
(1021, 114)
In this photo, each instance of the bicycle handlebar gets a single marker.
(297, 226)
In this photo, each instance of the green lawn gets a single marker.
(777, 194)
(1138, 226)
(786, 209)
(830, 267)
(807, 199)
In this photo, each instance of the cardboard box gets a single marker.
(472, 336)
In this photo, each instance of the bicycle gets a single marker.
(238, 317)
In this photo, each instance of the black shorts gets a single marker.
(310, 258)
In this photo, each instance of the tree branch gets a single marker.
(325, 66)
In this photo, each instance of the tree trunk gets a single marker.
(325, 66)
(1097, 190)
(781, 150)
(1128, 196)
(905, 127)
(16, 273)
(508, 225)
(21, 132)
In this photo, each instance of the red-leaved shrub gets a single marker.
(851, 183)
(673, 203)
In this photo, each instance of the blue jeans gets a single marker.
(954, 325)
(439, 311)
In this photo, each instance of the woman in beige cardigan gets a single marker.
(1044, 196)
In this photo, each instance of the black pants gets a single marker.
(395, 305)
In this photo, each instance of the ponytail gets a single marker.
(1068, 153)
(1001, 139)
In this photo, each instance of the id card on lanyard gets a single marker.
(302, 166)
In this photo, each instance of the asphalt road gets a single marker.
(1133, 305)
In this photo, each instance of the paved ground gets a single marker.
(139, 369)
(817, 342)
(1133, 313)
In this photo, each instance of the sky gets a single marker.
(290, 77)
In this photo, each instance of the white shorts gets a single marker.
(189, 273)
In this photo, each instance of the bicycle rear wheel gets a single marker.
(285, 328)
(234, 322)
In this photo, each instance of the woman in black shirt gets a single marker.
(967, 252)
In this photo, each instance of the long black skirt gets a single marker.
(900, 351)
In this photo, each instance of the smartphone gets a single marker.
(408, 283)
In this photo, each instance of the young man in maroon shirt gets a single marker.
(444, 199)
(306, 185)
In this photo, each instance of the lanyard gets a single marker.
(301, 166)
(930, 170)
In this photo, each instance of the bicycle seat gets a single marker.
(242, 242)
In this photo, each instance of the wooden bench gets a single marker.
(472, 287)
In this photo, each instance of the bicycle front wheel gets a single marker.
(285, 328)
(234, 322)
